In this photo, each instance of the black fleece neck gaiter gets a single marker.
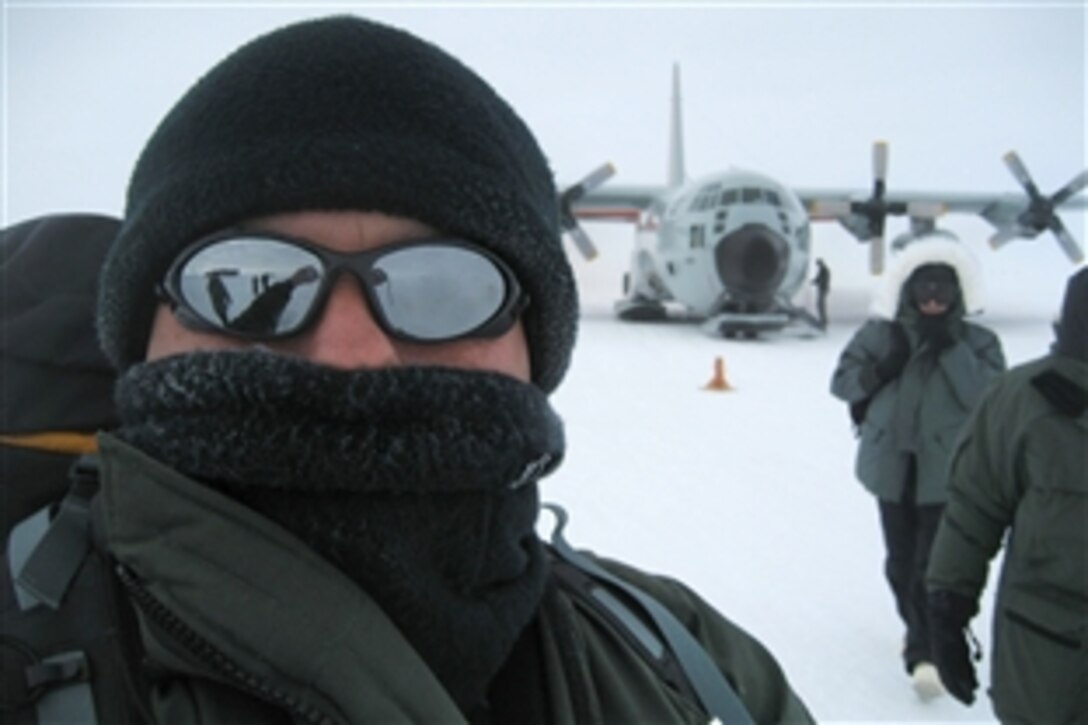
(418, 483)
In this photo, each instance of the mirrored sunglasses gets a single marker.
(261, 286)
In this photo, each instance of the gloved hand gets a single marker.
(897, 355)
(939, 332)
(949, 614)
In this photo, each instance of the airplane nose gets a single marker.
(752, 261)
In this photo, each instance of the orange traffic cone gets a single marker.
(718, 382)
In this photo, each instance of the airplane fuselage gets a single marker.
(733, 242)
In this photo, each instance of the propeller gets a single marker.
(874, 209)
(868, 215)
(1040, 213)
(572, 194)
(866, 219)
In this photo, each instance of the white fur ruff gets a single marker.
(929, 250)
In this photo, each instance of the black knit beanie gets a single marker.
(342, 114)
(1072, 328)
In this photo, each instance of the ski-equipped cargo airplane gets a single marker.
(733, 248)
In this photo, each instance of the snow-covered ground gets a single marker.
(749, 495)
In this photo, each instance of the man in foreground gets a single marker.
(327, 512)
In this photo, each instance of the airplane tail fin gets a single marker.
(676, 134)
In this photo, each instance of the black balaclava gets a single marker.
(934, 282)
(1071, 338)
(419, 483)
(937, 282)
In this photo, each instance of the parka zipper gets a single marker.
(209, 654)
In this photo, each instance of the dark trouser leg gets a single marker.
(897, 523)
(927, 517)
(908, 535)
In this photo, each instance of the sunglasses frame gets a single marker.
(333, 264)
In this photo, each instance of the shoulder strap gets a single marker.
(711, 688)
(44, 555)
(64, 628)
(1064, 394)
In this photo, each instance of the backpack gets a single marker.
(70, 637)
(62, 617)
(58, 386)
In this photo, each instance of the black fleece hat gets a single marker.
(342, 114)
(55, 378)
(1072, 328)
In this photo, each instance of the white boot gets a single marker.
(926, 681)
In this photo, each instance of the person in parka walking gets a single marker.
(331, 516)
(1020, 476)
(911, 376)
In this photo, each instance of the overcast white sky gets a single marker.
(797, 90)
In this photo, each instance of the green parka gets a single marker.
(1022, 465)
(945, 394)
(248, 625)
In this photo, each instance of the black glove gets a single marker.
(939, 332)
(895, 359)
(949, 614)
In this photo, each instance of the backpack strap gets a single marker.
(712, 690)
(45, 553)
(65, 629)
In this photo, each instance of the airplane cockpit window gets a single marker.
(772, 197)
(750, 195)
(729, 196)
(707, 198)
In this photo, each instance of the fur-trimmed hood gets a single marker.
(929, 250)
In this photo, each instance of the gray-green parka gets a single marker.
(1022, 466)
(251, 625)
(922, 409)
(945, 395)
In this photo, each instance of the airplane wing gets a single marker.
(1013, 216)
(999, 208)
(586, 200)
(617, 202)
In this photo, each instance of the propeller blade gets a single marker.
(880, 161)
(583, 242)
(590, 182)
(876, 255)
(829, 208)
(566, 212)
(1020, 171)
(598, 176)
(1004, 236)
(1066, 241)
(1074, 186)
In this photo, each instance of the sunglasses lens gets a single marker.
(437, 292)
(251, 286)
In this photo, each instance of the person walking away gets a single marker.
(911, 375)
(1020, 476)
